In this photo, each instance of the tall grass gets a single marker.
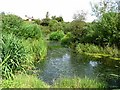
(19, 55)
(30, 30)
(37, 48)
(24, 81)
(30, 81)
(13, 55)
(78, 83)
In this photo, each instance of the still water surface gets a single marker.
(64, 62)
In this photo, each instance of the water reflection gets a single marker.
(63, 62)
(93, 63)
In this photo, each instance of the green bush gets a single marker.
(54, 25)
(58, 35)
(37, 21)
(45, 22)
(11, 23)
(105, 31)
(78, 83)
(24, 81)
(77, 28)
(30, 30)
(67, 39)
(45, 30)
(13, 55)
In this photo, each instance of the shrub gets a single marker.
(30, 30)
(37, 21)
(77, 28)
(67, 39)
(24, 81)
(13, 55)
(45, 30)
(54, 25)
(11, 23)
(105, 31)
(45, 22)
(78, 83)
(58, 35)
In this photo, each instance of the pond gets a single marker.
(64, 62)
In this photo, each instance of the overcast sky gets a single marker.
(38, 8)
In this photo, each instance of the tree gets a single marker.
(47, 15)
(53, 17)
(59, 19)
(80, 16)
(77, 29)
(37, 21)
(102, 7)
(77, 26)
(105, 31)
(45, 21)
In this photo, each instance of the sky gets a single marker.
(38, 8)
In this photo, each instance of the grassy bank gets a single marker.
(24, 81)
(23, 45)
(78, 83)
(30, 81)
(98, 52)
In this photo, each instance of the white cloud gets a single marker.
(38, 8)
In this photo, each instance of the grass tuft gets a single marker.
(24, 81)
(78, 83)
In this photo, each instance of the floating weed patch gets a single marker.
(101, 56)
(97, 55)
(98, 52)
(114, 58)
